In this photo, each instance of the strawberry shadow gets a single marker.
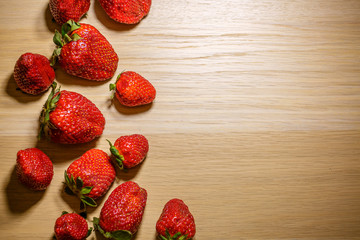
(129, 110)
(64, 152)
(19, 198)
(108, 22)
(129, 174)
(66, 79)
(50, 21)
(13, 91)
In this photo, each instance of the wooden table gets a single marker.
(255, 124)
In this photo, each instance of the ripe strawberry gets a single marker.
(129, 150)
(131, 89)
(71, 226)
(34, 168)
(33, 73)
(70, 118)
(65, 10)
(84, 52)
(126, 11)
(90, 176)
(175, 222)
(121, 215)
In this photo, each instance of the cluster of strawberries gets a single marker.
(71, 118)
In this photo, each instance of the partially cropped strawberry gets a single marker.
(126, 11)
(65, 10)
(90, 176)
(84, 52)
(71, 226)
(131, 89)
(34, 168)
(175, 222)
(121, 215)
(70, 118)
(33, 73)
(129, 150)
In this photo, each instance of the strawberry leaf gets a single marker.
(88, 201)
(85, 190)
(79, 183)
(57, 39)
(118, 157)
(121, 235)
(89, 232)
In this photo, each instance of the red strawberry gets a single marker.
(33, 73)
(34, 168)
(84, 52)
(129, 150)
(175, 222)
(90, 176)
(70, 118)
(65, 10)
(131, 89)
(126, 11)
(71, 226)
(121, 215)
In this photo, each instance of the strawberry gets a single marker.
(84, 52)
(65, 10)
(129, 150)
(70, 118)
(131, 89)
(34, 168)
(71, 226)
(90, 176)
(121, 215)
(175, 222)
(126, 11)
(33, 73)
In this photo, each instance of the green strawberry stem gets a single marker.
(76, 186)
(118, 157)
(176, 236)
(117, 235)
(49, 106)
(112, 86)
(60, 39)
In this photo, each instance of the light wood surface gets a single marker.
(256, 123)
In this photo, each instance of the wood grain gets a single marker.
(256, 123)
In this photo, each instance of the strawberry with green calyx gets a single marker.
(122, 212)
(175, 222)
(90, 176)
(84, 52)
(71, 226)
(70, 118)
(132, 89)
(130, 150)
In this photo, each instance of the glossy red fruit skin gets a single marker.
(175, 218)
(64, 10)
(34, 169)
(75, 119)
(92, 57)
(134, 90)
(133, 148)
(71, 226)
(33, 73)
(126, 11)
(124, 208)
(96, 170)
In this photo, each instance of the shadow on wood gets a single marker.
(20, 198)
